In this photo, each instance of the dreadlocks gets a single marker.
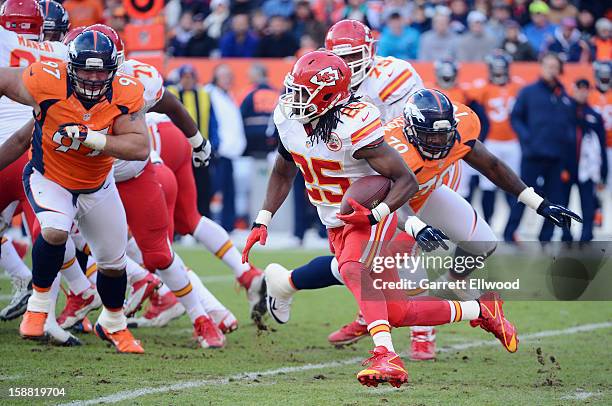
(329, 121)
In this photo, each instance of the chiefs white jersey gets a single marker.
(388, 85)
(16, 51)
(330, 168)
(153, 84)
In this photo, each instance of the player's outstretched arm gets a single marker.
(11, 86)
(16, 145)
(388, 162)
(501, 175)
(279, 185)
(130, 139)
(172, 107)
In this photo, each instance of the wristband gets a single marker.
(414, 225)
(380, 211)
(196, 140)
(263, 217)
(95, 140)
(530, 198)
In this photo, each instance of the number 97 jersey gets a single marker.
(150, 78)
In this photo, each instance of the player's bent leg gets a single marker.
(143, 285)
(56, 334)
(21, 280)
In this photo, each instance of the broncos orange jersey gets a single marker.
(458, 93)
(497, 102)
(65, 160)
(602, 103)
(433, 173)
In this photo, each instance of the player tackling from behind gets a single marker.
(85, 116)
(335, 139)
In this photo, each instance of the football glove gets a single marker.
(428, 238)
(558, 214)
(90, 138)
(202, 150)
(259, 233)
(362, 215)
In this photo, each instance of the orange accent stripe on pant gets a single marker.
(223, 250)
(458, 313)
(41, 290)
(3, 240)
(91, 270)
(184, 291)
(380, 329)
(379, 230)
(86, 249)
(69, 263)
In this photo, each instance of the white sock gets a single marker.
(11, 262)
(39, 301)
(466, 310)
(53, 293)
(208, 300)
(134, 271)
(133, 251)
(381, 335)
(92, 270)
(217, 240)
(175, 277)
(76, 279)
(112, 321)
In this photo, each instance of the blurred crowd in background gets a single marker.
(563, 139)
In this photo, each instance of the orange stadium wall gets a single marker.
(468, 72)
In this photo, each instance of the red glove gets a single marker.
(360, 216)
(259, 232)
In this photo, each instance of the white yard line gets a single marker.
(579, 394)
(136, 393)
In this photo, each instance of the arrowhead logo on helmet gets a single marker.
(326, 77)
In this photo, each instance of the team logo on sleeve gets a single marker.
(326, 77)
(335, 143)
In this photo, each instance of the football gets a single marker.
(368, 191)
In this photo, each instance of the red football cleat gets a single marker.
(161, 311)
(140, 291)
(77, 307)
(207, 333)
(492, 320)
(349, 333)
(225, 320)
(423, 344)
(254, 283)
(384, 366)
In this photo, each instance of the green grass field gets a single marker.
(293, 364)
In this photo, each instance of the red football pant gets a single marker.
(168, 183)
(355, 248)
(176, 154)
(11, 189)
(148, 218)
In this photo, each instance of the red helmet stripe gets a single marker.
(437, 100)
(47, 7)
(95, 33)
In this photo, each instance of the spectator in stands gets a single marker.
(197, 102)
(543, 117)
(540, 28)
(196, 6)
(496, 26)
(278, 41)
(307, 44)
(256, 109)
(84, 12)
(355, 10)
(326, 10)
(231, 141)
(560, 9)
(440, 41)
(403, 7)
(398, 40)
(245, 6)
(305, 23)
(118, 19)
(180, 36)
(200, 44)
(215, 23)
(568, 43)
(603, 40)
(259, 23)
(459, 14)
(591, 167)
(239, 41)
(516, 45)
(475, 44)
(282, 8)
(420, 21)
(520, 12)
(586, 22)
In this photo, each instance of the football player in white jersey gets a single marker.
(386, 82)
(335, 139)
(21, 46)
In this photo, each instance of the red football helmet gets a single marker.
(72, 34)
(353, 41)
(23, 17)
(112, 34)
(318, 81)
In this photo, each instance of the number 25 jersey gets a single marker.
(62, 159)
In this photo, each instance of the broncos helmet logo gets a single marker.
(326, 77)
(412, 112)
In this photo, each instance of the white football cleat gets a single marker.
(280, 292)
(225, 320)
(59, 336)
(22, 290)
